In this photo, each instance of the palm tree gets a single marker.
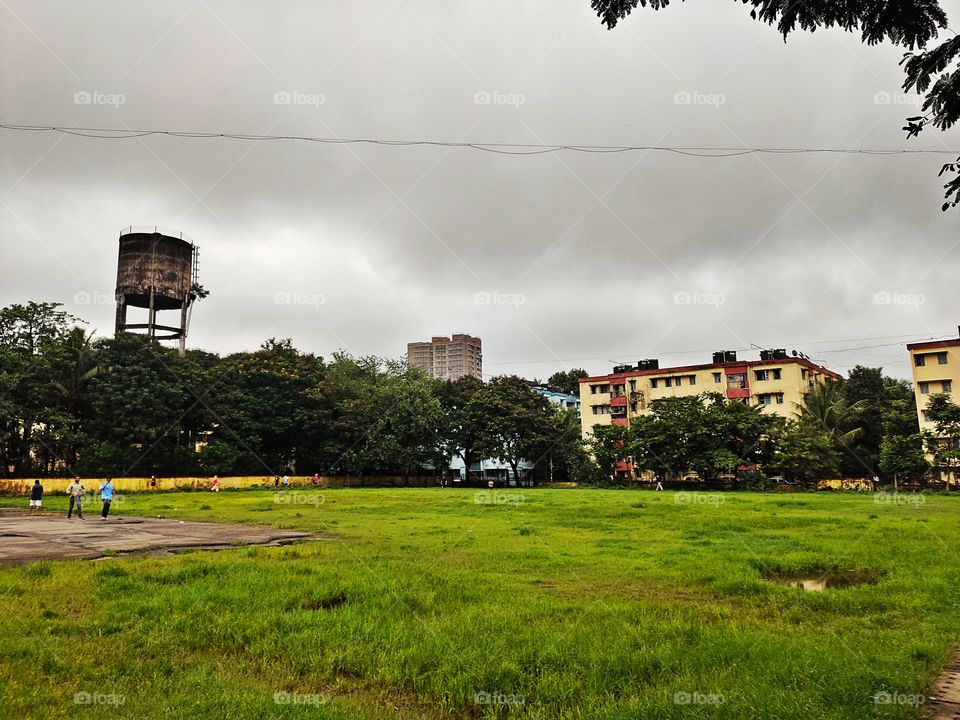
(825, 409)
(80, 366)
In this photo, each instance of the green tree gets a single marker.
(707, 434)
(673, 437)
(137, 404)
(467, 428)
(802, 451)
(519, 420)
(943, 443)
(567, 381)
(609, 446)
(825, 410)
(902, 457)
(35, 419)
(563, 451)
(874, 396)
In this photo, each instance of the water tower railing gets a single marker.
(151, 229)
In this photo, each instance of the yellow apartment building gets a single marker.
(776, 382)
(936, 369)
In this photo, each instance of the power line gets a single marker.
(501, 148)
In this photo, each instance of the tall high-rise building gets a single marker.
(448, 358)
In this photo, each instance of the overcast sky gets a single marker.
(554, 260)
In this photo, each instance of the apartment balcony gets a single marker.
(618, 401)
(619, 421)
(738, 392)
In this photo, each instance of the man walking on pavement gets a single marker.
(75, 490)
(106, 495)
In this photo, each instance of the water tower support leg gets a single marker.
(121, 315)
(183, 328)
(152, 331)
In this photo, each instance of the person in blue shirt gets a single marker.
(106, 495)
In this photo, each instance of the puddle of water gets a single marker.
(826, 581)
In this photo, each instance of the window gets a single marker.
(941, 358)
(762, 374)
(763, 399)
(919, 360)
(633, 407)
(946, 386)
(924, 388)
(803, 373)
(738, 381)
(601, 409)
(693, 379)
(776, 374)
(779, 398)
(653, 382)
(716, 377)
(633, 385)
(667, 382)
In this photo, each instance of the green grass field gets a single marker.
(563, 603)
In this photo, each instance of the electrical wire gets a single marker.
(501, 148)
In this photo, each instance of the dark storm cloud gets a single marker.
(554, 260)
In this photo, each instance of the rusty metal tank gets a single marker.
(156, 270)
(158, 260)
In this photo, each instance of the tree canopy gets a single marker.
(124, 405)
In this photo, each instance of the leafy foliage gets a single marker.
(567, 381)
(125, 405)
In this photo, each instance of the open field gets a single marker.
(565, 603)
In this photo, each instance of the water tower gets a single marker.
(157, 271)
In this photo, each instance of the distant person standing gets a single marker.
(286, 480)
(215, 485)
(36, 497)
(75, 490)
(276, 481)
(106, 496)
(316, 479)
(153, 481)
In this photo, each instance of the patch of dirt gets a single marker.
(820, 579)
(328, 602)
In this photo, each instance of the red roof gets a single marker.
(933, 344)
(738, 365)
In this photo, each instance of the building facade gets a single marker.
(777, 382)
(448, 358)
(936, 369)
(563, 400)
